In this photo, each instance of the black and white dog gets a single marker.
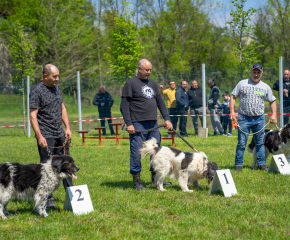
(33, 181)
(275, 142)
(184, 166)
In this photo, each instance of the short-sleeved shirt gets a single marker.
(48, 101)
(252, 96)
(143, 95)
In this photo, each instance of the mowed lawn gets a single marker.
(260, 210)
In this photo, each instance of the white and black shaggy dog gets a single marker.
(275, 142)
(33, 181)
(185, 166)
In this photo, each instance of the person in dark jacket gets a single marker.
(286, 95)
(182, 105)
(104, 101)
(195, 103)
(213, 101)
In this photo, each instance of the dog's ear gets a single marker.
(205, 173)
(57, 162)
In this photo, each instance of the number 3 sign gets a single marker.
(223, 180)
(78, 200)
(280, 162)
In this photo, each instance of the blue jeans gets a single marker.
(246, 124)
(136, 142)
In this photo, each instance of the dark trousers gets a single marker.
(182, 121)
(106, 115)
(172, 111)
(225, 120)
(44, 155)
(286, 117)
(136, 143)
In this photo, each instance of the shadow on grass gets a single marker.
(26, 207)
(148, 185)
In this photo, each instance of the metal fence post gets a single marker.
(79, 101)
(203, 97)
(28, 111)
(281, 91)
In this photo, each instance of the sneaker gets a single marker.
(229, 135)
(238, 168)
(263, 167)
(225, 134)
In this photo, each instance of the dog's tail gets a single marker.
(251, 146)
(150, 147)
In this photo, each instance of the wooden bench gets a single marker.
(117, 135)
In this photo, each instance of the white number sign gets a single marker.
(78, 200)
(223, 180)
(279, 162)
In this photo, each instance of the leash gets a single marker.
(159, 126)
(67, 140)
(250, 134)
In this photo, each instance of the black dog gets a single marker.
(33, 181)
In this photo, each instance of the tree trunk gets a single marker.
(99, 32)
(23, 104)
(240, 48)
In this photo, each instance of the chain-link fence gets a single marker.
(11, 95)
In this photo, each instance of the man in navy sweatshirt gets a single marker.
(182, 105)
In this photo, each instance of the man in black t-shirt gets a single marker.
(140, 99)
(47, 112)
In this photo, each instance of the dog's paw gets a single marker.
(3, 217)
(44, 215)
(187, 190)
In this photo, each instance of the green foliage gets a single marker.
(241, 28)
(21, 50)
(125, 50)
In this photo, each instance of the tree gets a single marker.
(125, 51)
(22, 53)
(241, 27)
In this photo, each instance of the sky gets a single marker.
(222, 14)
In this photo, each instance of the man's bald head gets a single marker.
(144, 69)
(47, 69)
(286, 74)
(50, 75)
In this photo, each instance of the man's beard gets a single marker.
(285, 79)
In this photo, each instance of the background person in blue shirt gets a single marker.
(225, 106)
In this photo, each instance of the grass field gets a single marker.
(258, 211)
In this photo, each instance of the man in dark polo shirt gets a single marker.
(47, 112)
(195, 103)
(140, 99)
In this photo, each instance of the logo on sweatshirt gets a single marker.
(148, 92)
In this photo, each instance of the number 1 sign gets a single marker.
(223, 180)
(280, 162)
(78, 200)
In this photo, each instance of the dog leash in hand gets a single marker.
(159, 126)
(250, 134)
(67, 140)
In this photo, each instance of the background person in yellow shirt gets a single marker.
(171, 101)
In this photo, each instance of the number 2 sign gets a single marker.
(280, 162)
(223, 180)
(78, 200)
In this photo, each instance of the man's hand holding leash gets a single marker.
(168, 125)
